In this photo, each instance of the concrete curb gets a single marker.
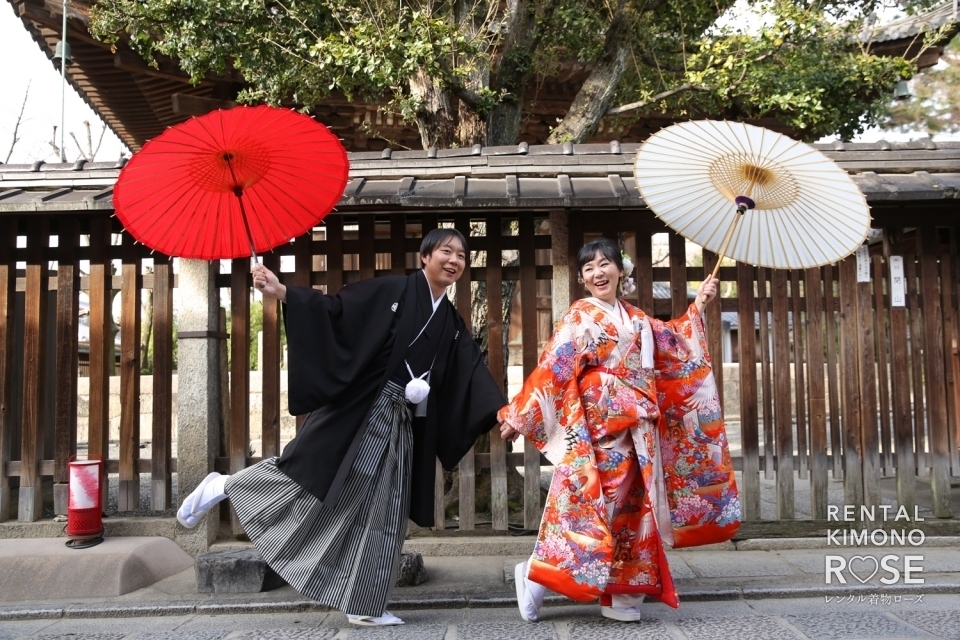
(147, 609)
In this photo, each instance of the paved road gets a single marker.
(933, 616)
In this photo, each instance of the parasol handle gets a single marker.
(238, 191)
(742, 205)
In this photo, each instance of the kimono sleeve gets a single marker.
(538, 411)
(698, 471)
(332, 339)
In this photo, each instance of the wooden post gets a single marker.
(129, 496)
(678, 275)
(528, 301)
(237, 447)
(918, 352)
(869, 437)
(883, 372)
(34, 347)
(797, 304)
(816, 400)
(8, 288)
(270, 376)
(833, 384)
(936, 389)
(467, 467)
(102, 348)
(905, 460)
(161, 495)
(498, 450)
(398, 237)
(782, 410)
(849, 367)
(765, 377)
(65, 414)
(749, 427)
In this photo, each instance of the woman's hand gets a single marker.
(508, 433)
(706, 292)
(267, 283)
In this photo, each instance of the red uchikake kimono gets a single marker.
(626, 407)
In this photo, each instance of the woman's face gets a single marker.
(600, 277)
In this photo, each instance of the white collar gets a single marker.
(616, 310)
(436, 303)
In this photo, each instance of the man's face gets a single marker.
(444, 266)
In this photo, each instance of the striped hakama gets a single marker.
(345, 557)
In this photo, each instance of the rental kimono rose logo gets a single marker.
(892, 567)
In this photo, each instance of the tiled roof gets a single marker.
(912, 26)
(592, 175)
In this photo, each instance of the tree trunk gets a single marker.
(472, 126)
(592, 101)
(435, 119)
(503, 124)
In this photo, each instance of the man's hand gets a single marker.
(267, 283)
(508, 433)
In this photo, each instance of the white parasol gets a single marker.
(751, 194)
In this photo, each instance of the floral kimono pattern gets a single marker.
(626, 407)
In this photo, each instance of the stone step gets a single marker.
(46, 569)
(241, 569)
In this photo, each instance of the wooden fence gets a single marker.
(874, 393)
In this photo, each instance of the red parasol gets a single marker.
(231, 184)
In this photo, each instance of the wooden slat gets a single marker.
(65, 413)
(439, 513)
(869, 433)
(714, 325)
(936, 389)
(239, 442)
(799, 373)
(950, 364)
(917, 344)
(900, 366)
(161, 496)
(881, 274)
(8, 242)
(782, 410)
(883, 372)
(334, 249)
(101, 342)
(816, 394)
(129, 496)
(30, 506)
(270, 376)
(749, 427)
(953, 350)
(766, 379)
(643, 269)
(528, 301)
(368, 254)
(833, 383)
(301, 277)
(678, 274)
(398, 234)
(498, 450)
(467, 466)
(575, 241)
(850, 396)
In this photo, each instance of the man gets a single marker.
(391, 380)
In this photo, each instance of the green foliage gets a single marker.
(803, 63)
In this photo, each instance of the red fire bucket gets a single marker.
(84, 505)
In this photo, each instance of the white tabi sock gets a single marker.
(212, 493)
(627, 601)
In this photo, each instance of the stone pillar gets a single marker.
(198, 397)
(560, 248)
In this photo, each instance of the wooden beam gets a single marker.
(188, 105)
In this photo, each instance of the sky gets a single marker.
(34, 71)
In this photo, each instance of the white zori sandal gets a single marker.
(386, 620)
(625, 607)
(529, 593)
(207, 494)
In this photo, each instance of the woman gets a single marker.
(626, 407)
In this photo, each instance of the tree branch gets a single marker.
(16, 126)
(657, 98)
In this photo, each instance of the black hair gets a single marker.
(436, 238)
(605, 247)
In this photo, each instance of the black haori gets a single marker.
(346, 556)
